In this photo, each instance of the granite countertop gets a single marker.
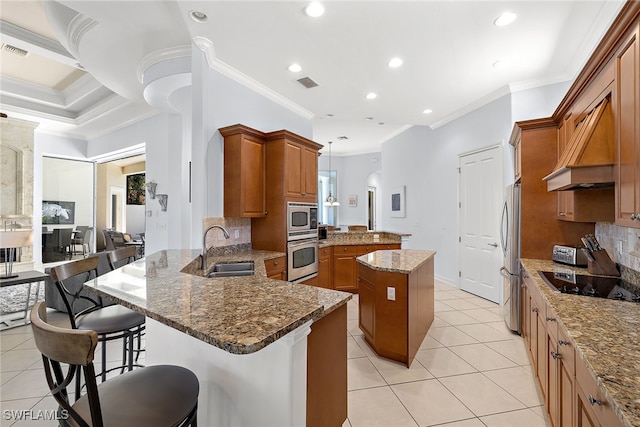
(240, 315)
(606, 336)
(340, 238)
(396, 261)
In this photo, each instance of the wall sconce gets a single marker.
(162, 199)
(151, 189)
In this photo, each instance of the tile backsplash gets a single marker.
(215, 238)
(622, 244)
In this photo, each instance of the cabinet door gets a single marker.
(517, 160)
(309, 173)
(345, 268)
(628, 108)
(325, 267)
(566, 380)
(244, 176)
(366, 307)
(293, 166)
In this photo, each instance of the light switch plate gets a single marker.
(391, 293)
(236, 234)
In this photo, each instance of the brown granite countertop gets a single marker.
(396, 261)
(240, 315)
(340, 238)
(606, 336)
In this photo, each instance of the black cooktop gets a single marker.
(591, 286)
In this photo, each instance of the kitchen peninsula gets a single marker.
(396, 301)
(250, 340)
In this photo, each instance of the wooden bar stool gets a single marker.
(110, 323)
(154, 396)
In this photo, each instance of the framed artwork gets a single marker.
(56, 212)
(398, 202)
(353, 200)
(136, 189)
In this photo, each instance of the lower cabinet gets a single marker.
(571, 395)
(345, 268)
(325, 267)
(276, 268)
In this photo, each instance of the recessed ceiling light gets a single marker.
(197, 16)
(371, 95)
(501, 63)
(314, 9)
(505, 19)
(427, 111)
(395, 63)
(295, 68)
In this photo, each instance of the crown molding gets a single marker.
(206, 46)
(33, 42)
(161, 55)
(76, 30)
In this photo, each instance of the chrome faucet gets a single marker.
(204, 244)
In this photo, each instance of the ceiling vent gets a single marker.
(307, 82)
(15, 50)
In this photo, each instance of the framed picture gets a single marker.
(353, 200)
(136, 189)
(398, 202)
(56, 212)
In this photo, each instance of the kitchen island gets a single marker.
(396, 301)
(246, 338)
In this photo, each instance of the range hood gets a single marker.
(588, 159)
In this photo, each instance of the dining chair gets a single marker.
(78, 237)
(155, 396)
(116, 257)
(110, 323)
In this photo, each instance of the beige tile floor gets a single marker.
(470, 372)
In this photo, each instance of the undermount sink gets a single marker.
(232, 269)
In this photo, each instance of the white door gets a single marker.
(480, 202)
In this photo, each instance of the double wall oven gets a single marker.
(302, 241)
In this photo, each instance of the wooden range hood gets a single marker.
(588, 160)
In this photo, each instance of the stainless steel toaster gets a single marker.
(570, 255)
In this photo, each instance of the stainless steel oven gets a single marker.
(302, 259)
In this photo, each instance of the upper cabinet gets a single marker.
(627, 66)
(293, 164)
(244, 172)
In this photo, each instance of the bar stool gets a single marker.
(154, 396)
(110, 323)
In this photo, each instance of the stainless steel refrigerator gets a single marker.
(510, 271)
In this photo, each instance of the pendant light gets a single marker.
(330, 200)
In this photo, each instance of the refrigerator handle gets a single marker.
(504, 221)
(505, 273)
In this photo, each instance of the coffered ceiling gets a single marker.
(448, 49)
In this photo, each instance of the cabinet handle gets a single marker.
(633, 217)
(563, 342)
(594, 401)
(534, 310)
(550, 319)
(275, 263)
(555, 355)
(562, 214)
(638, 216)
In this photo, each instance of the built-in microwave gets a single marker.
(302, 220)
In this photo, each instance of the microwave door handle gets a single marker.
(300, 243)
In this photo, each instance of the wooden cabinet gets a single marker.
(569, 391)
(301, 171)
(539, 226)
(517, 154)
(244, 172)
(627, 68)
(276, 268)
(325, 267)
(327, 370)
(345, 268)
(291, 176)
(592, 405)
(293, 166)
